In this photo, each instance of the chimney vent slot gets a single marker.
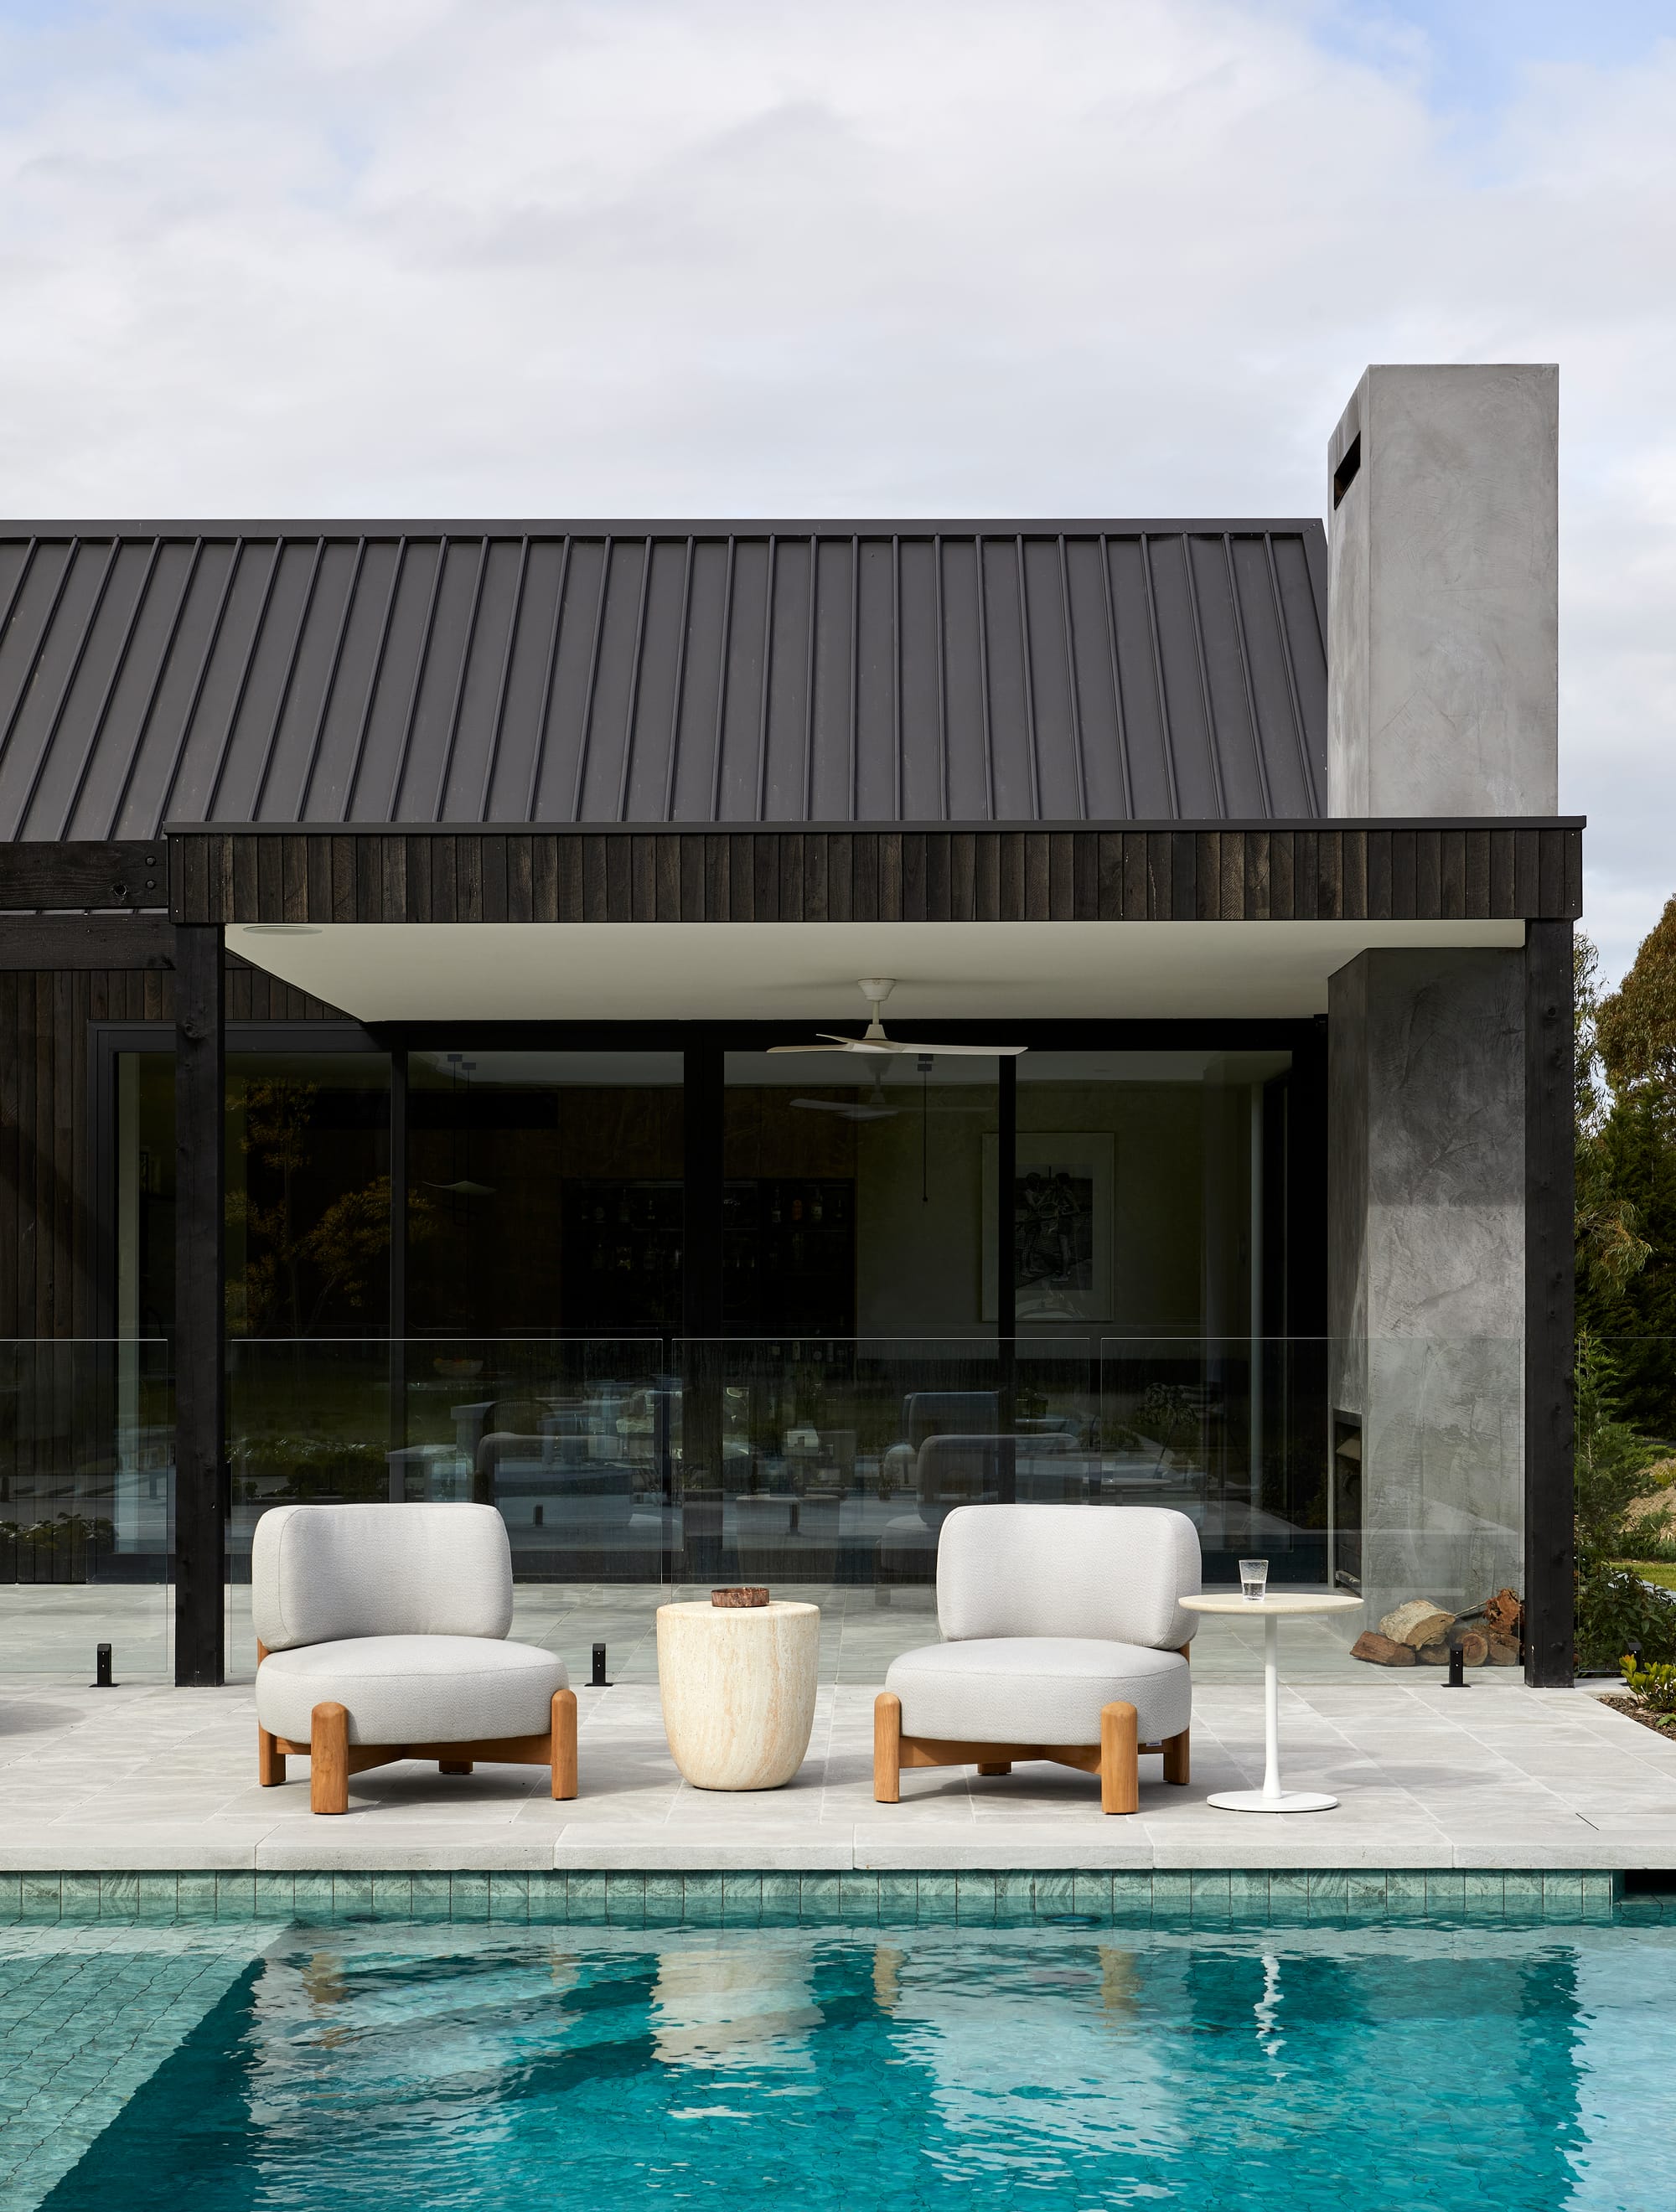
(1345, 474)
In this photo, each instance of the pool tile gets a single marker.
(314, 1898)
(781, 1896)
(1600, 1896)
(1406, 1895)
(1446, 1896)
(548, 1903)
(742, 1900)
(1210, 1894)
(625, 1900)
(586, 1895)
(1172, 1895)
(468, 1895)
(159, 1896)
(41, 1897)
(1054, 1894)
(10, 1891)
(119, 1897)
(1484, 1895)
(78, 1897)
(235, 1897)
(392, 1897)
(1015, 1900)
(509, 1896)
(352, 1896)
(820, 1897)
(430, 1897)
(1367, 1894)
(1092, 1892)
(704, 1899)
(1248, 1896)
(1563, 1897)
(1521, 1895)
(974, 1900)
(1131, 1899)
(1327, 1889)
(1289, 1898)
(937, 1902)
(276, 1896)
(664, 1900)
(857, 1899)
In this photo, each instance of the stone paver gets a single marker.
(1497, 1776)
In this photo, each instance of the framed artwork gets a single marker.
(1061, 1223)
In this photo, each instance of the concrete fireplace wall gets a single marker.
(1426, 1265)
(1443, 702)
(1442, 653)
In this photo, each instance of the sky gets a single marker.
(586, 259)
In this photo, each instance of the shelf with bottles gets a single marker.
(622, 1250)
(789, 1254)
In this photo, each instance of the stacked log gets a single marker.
(1423, 1632)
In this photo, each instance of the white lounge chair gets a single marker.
(1062, 1640)
(381, 1635)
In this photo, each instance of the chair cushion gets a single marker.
(412, 1689)
(1038, 1689)
(321, 1573)
(1103, 1571)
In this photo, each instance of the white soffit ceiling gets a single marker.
(801, 971)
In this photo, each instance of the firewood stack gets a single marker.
(1421, 1633)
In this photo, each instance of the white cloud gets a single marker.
(717, 257)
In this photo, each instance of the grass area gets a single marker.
(1662, 1571)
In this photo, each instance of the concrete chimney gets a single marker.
(1442, 648)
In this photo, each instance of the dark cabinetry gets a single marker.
(788, 1257)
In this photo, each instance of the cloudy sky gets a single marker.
(755, 258)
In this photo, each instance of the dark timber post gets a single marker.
(398, 1296)
(1006, 1283)
(1550, 1304)
(703, 1101)
(200, 1365)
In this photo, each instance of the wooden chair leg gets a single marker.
(1002, 1766)
(564, 1743)
(887, 1748)
(1120, 1758)
(269, 1760)
(1176, 1759)
(329, 1759)
(453, 1766)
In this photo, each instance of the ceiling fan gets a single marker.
(872, 1108)
(875, 989)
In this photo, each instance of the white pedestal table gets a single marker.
(1270, 1609)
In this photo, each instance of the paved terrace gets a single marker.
(145, 1777)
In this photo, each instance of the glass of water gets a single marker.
(1253, 1578)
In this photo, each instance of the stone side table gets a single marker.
(738, 1685)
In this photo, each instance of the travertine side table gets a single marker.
(737, 1684)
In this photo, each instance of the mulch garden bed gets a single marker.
(1660, 1723)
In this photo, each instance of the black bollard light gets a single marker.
(1457, 1668)
(102, 1678)
(599, 1681)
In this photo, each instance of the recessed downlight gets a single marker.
(282, 929)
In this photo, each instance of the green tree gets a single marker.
(1615, 1608)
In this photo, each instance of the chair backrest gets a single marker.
(950, 1413)
(1114, 1572)
(319, 1572)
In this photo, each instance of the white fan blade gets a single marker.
(836, 1044)
(968, 1051)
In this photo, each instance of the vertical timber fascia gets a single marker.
(200, 1349)
(1550, 1305)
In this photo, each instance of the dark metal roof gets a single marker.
(426, 672)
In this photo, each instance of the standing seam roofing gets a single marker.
(684, 673)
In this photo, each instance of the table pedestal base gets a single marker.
(1259, 1800)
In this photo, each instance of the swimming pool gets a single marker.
(1378, 2070)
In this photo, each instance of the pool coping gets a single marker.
(1227, 1896)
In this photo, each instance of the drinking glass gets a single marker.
(1253, 1578)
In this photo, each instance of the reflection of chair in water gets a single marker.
(720, 2009)
(1063, 1640)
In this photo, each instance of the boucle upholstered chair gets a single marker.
(1062, 1640)
(381, 1635)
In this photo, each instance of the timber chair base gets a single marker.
(333, 1759)
(1115, 1759)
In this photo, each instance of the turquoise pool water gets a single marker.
(1366, 2071)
